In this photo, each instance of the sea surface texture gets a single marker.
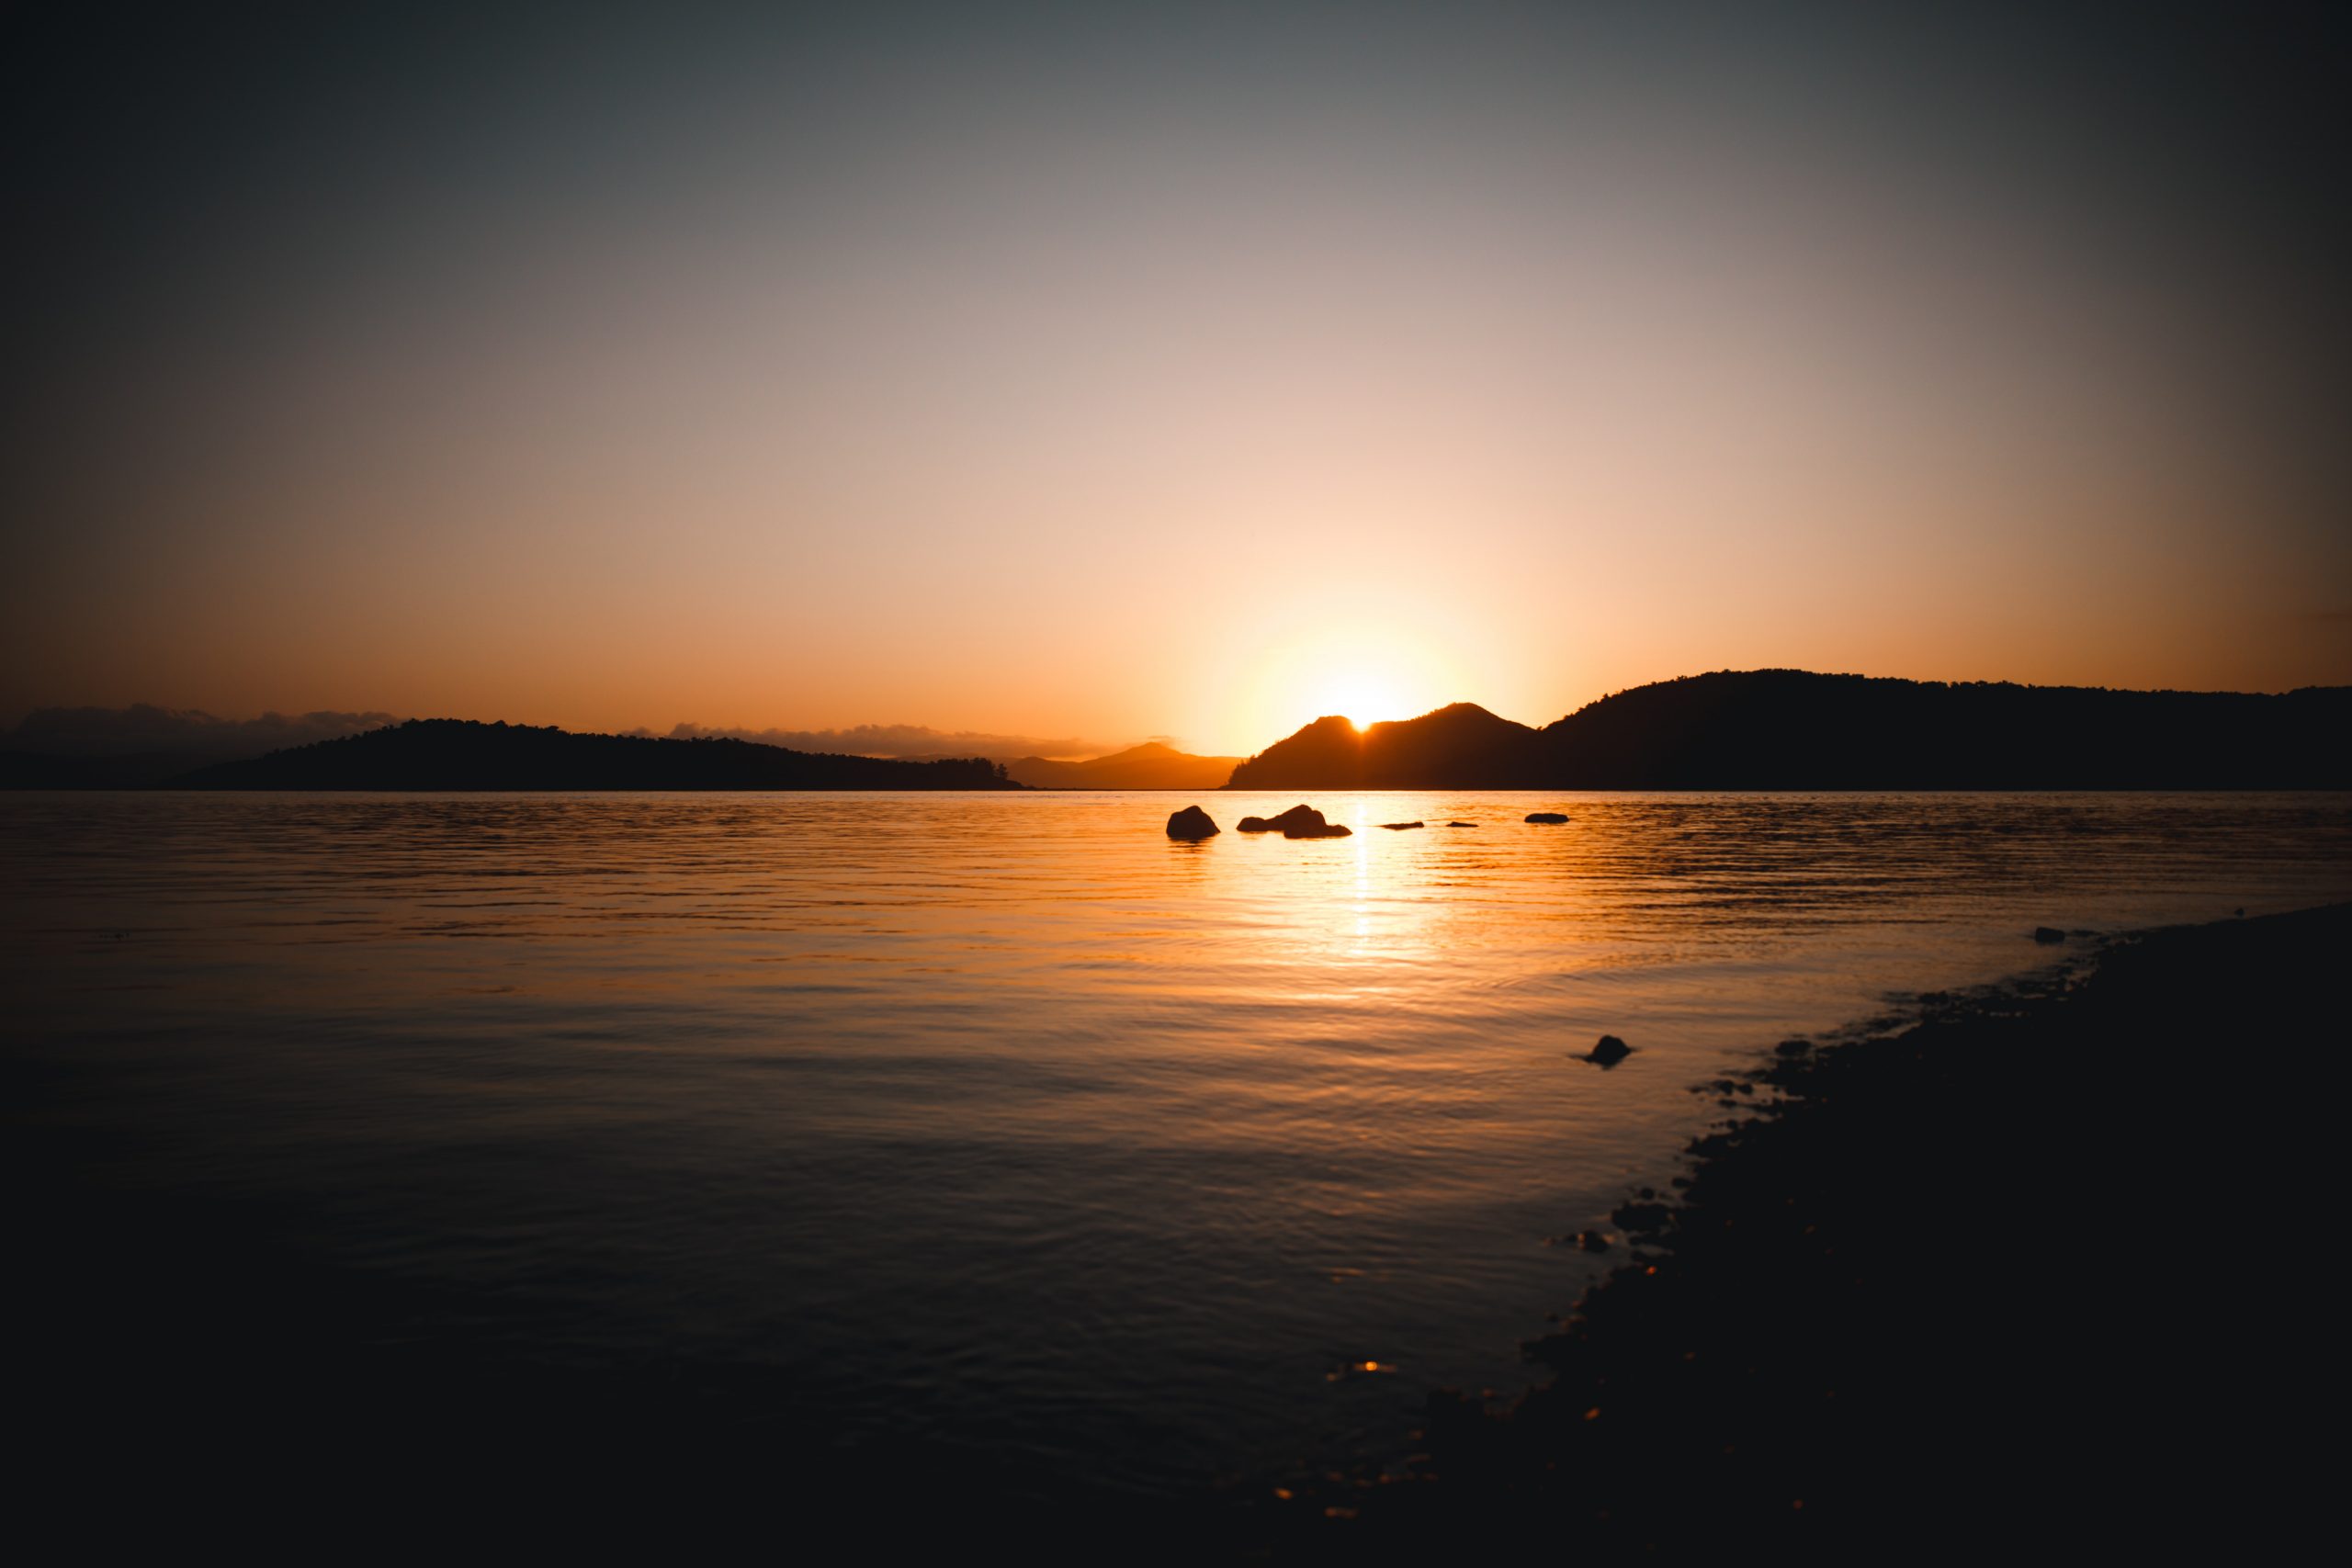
(1001, 1127)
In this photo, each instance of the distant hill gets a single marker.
(462, 754)
(1794, 729)
(1791, 729)
(909, 742)
(1461, 746)
(1149, 766)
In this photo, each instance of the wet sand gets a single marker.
(2039, 1268)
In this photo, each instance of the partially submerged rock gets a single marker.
(1298, 822)
(1400, 827)
(1584, 1241)
(1642, 1217)
(1547, 817)
(1462, 824)
(1191, 823)
(2046, 934)
(1607, 1051)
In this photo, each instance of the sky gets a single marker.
(1114, 371)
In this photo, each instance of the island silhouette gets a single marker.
(463, 754)
(1795, 729)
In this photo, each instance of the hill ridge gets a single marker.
(1783, 729)
(1150, 765)
(474, 754)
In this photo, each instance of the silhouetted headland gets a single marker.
(462, 754)
(1794, 729)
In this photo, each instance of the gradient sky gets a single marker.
(1115, 370)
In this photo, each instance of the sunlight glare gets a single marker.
(1349, 670)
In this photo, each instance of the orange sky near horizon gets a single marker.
(1124, 382)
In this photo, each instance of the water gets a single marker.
(1002, 1124)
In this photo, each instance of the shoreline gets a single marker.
(1930, 1286)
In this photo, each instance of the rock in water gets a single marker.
(1462, 824)
(1191, 823)
(1607, 1051)
(1399, 827)
(1298, 822)
(1641, 1217)
(1547, 817)
(2048, 935)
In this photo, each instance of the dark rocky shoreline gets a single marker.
(1996, 1277)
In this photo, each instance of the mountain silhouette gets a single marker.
(1459, 746)
(463, 754)
(1149, 766)
(1747, 730)
(1795, 729)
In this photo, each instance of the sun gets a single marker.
(1361, 699)
(1369, 683)
(1366, 668)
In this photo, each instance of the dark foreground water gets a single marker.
(998, 1128)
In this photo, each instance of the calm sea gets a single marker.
(1002, 1124)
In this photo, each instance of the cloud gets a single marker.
(909, 741)
(144, 729)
